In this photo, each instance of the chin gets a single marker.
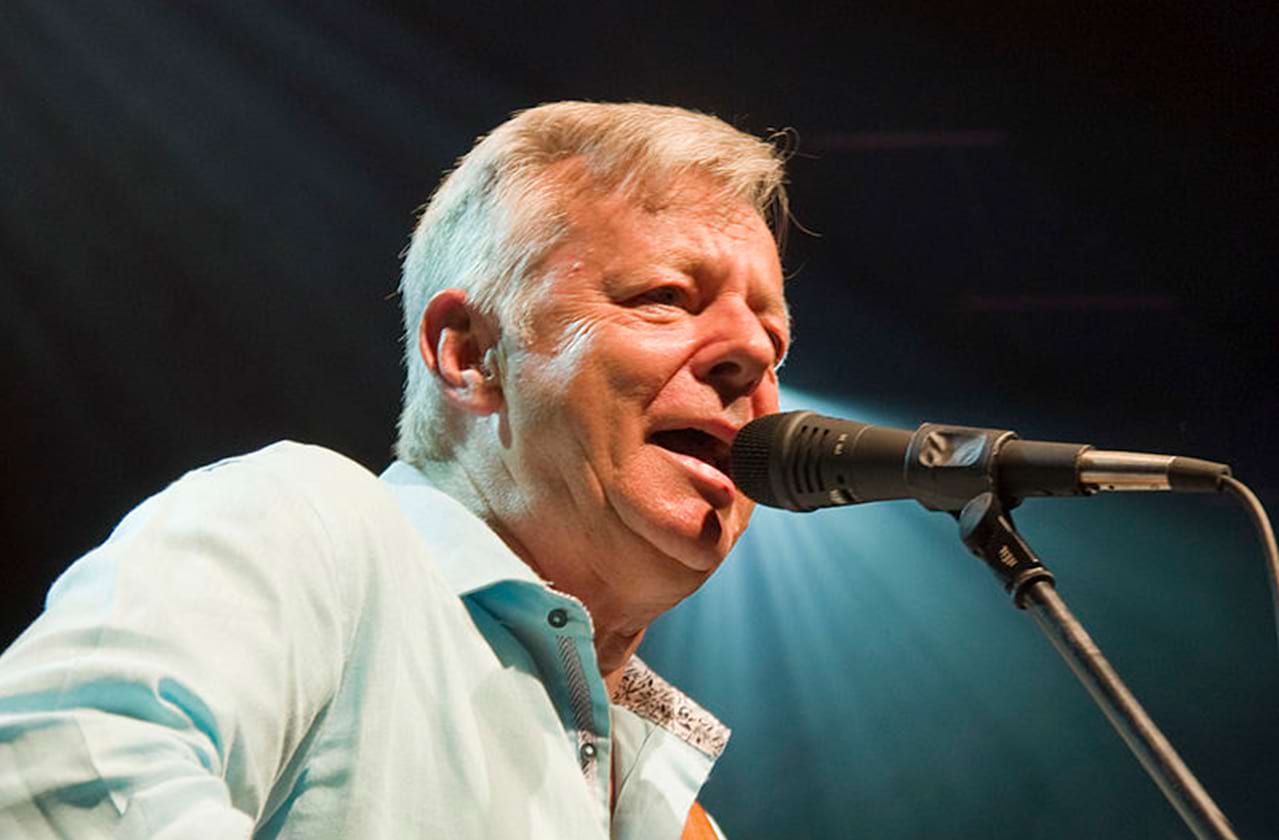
(674, 515)
(698, 539)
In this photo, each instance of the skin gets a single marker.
(646, 317)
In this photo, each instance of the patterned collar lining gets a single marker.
(657, 701)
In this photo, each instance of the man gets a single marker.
(283, 645)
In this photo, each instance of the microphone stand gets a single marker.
(988, 531)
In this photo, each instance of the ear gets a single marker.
(456, 343)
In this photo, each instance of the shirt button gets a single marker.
(587, 752)
(557, 617)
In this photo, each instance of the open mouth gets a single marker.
(695, 444)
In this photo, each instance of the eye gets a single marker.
(779, 349)
(667, 296)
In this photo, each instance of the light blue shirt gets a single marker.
(283, 645)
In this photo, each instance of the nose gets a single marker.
(738, 352)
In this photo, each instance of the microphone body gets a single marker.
(802, 461)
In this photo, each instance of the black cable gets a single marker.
(1264, 530)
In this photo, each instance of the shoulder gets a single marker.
(301, 468)
(288, 524)
(283, 484)
(288, 506)
(303, 491)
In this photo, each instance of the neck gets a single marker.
(614, 655)
(620, 619)
(619, 623)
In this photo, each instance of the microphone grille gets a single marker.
(752, 456)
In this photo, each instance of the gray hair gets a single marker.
(496, 216)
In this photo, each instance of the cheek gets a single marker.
(765, 398)
(617, 364)
(587, 391)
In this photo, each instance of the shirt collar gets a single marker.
(471, 556)
(646, 694)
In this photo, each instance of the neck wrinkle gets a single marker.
(619, 625)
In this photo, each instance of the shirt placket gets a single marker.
(584, 704)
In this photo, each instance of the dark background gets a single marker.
(1053, 221)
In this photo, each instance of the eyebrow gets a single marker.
(692, 263)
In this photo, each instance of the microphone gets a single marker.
(802, 461)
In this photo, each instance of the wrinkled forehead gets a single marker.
(583, 215)
(684, 218)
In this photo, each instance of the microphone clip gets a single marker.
(988, 531)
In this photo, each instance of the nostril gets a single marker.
(726, 369)
(732, 368)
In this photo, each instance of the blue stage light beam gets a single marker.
(880, 683)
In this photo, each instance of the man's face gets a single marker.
(654, 336)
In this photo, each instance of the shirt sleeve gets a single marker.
(176, 668)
